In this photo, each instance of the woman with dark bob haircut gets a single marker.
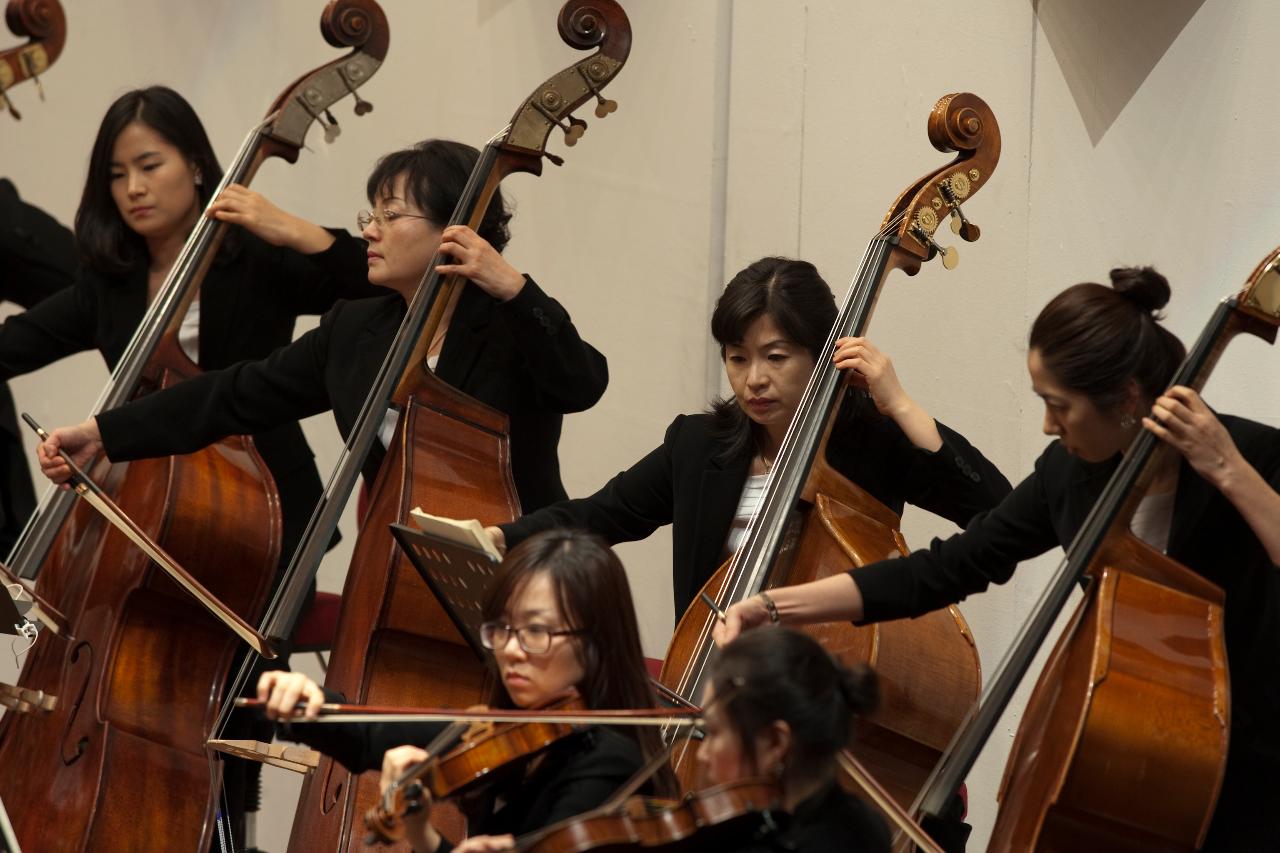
(503, 341)
(558, 621)
(771, 322)
(151, 172)
(780, 707)
(1101, 362)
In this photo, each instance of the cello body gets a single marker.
(394, 643)
(1134, 698)
(142, 670)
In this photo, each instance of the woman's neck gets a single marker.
(163, 250)
(796, 791)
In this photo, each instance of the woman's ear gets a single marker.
(1133, 405)
(772, 746)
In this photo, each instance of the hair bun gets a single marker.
(860, 688)
(1142, 286)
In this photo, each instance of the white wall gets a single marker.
(1133, 132)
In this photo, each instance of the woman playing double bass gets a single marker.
(706, 479)
(1101, 362)
(560, 620)
(505, 342)
(151, 172)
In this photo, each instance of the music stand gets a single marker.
(458, 575)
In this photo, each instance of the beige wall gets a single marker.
(1133, 132)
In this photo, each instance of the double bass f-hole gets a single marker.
(44, 22)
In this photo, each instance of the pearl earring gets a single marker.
(1127, 421)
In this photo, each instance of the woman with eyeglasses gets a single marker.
(558, 622)
(504, 341)
(151, 172)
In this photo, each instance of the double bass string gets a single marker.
(747, 567)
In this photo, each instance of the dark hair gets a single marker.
(593, 595)
(1094, 339)
(782, 674)
(796, 297)
(106, 245)
(435, 173)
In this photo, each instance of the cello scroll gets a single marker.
(965, 124)
(46, 25)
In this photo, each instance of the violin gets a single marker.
(813, 522)
(1087, 766)
(46, 25)
(475, 753)
(723, 817)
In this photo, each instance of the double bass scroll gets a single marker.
(46, 25)
(813, 522)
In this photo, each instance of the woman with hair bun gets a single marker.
(777, 705)
(1101, 362)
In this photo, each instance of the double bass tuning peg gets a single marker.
(604, 105)
(960, 224)
(950, 257)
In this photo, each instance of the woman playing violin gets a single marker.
(559, 621)
(707, 477)
(504, 342)
(1101, 362)
(779, 706)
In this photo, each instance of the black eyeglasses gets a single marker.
(534, 639)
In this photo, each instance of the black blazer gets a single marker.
(681, 483)
(522, 357)
(249, 301)
(830, 821)
(37, 259)
(1207, 535)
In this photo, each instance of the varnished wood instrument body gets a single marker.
(821, 524)
(450, 455)
(141, 670)
(1123, 745)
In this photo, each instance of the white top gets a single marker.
(1152, 520)
(392, 417)
(752, 492)
(189, 332)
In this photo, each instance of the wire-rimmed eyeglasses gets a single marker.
(383, 217)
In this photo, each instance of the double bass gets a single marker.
(1087, 766)
(46, 25)
(138, 669)
(449, 455)
(813, 522)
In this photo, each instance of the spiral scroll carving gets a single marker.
(37, 19)
(959, 123)
(356, 23)
(584, 24)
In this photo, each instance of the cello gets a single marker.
(139, 671)
(46, 24)
(813, 522)
(1086, 766)
(449, 455)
